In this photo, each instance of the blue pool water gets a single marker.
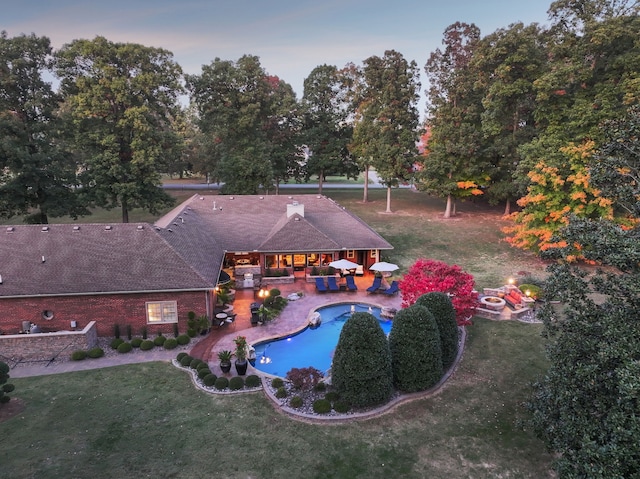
(310, 347)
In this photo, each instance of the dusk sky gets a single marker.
(290, 37)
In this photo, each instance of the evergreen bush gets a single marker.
(276, 383)
(320, 387)
(236, 383)
(341, 407)
(281, 392)
(159, 340)
(361, 369)
(195, 362)
(444, 313)
(202, 365)
(136, 342)
(180, 356)
(144, 332)
(170, 343)
(185, 361)
(332, 396)
(252, 381)
(176, 332)
(221, 383)
(6, 387)
(125, 348)
(321, 406)
(115, 342)
(191, 332)
(203, 372)
(183, 339)
(129, 335)
(146, 345)
(416, 354)
(95, 353)
(116, 331)
(296, 402)
(209, 380)
(78, 355)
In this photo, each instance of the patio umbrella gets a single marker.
(343, 264)
(383, 267)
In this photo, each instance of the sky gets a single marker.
(291, 37)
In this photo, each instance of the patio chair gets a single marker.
(351, 284)
(393, 289)
(359, 270)
(377, 282)
(333, 284)
(320, 286)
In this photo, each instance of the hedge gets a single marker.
(444, 313)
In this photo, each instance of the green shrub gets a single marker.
(274, 293)
(535, 291)
(136, 342)
(416, 353)
(191, 315)
(144, 332)
(321, 406)
(281, 392)
(276, 383)
(320, 387)
(341, 407)
(146, 345)
(95, 353)
(191, 332)
(6, 387)
(125, 348)
(332, 396)
(78, 355)
(176, 332)
(170, 343)
(444, 313)
(209, 380)
(236, 383)
(203, 372)
(115, 343)
(116, 331)
(159, 340)
(181, 355)
(202, 365)
(296, 402)
(252, 381)
(221, 383)
(361, 370)
(183, 339)
(195, 362)
(129, 335)
(185, 361)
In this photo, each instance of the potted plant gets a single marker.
(225, 360)
(241, 355)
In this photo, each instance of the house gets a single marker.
(150, 276)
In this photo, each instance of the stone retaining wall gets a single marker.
(47, 346)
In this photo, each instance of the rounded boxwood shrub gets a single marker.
(78, 355)
(195, 362)
(341, 407)
(322, 406)
(183, 339)
(136, 342)
(281, 392)
(181, 355)
(277, 383)
(170, 343)
(115, 342)
(296, 402)
(191, 332)
(95, 353)
(159, 340)
(332, 396)
(125, 348)
(203, 372)
(221, 383)
(236, 383)
(146, 345)
(444, 313)
(361, 370)
(252, 381)
(209, 380)
(416, 353)
(186, 361)
(202, 365)
(320, 387)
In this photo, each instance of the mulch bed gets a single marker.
(14, 407)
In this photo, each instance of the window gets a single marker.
(351, 254)
(162, 312)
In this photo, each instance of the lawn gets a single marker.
(147, 420)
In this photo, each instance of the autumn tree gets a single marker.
(386, 130)
(37, 172)
(121, 98)
(427, 275)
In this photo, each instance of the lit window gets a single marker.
(162, 312)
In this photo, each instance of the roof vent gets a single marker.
(175, 224)
(76, 228)
(0, 279)
(10, 229)
(170, 230)
(43, 259)
(108, 227)
(297, 218)
(45, 228)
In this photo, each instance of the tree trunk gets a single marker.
(453, 209)
(125, 213)
(277, 187)
(507, 207)
(447, 210)
(365, 198)
(388, 199)
(320, 180)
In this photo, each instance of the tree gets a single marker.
(440, 305)
(425, 276)
(361, 368)
(122, 98)
(325, 132)
(585, 407)
(5, 387)
(386, 131)
(416, 355)
(37, 175)
(454, 119)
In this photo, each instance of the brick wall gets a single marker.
(47, 346)
(106, 310)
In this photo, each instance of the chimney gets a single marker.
(294, 208)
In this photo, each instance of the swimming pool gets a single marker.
(311, 347)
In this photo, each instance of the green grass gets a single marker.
(147, 420)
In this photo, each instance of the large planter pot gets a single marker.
(241, 367)
(226, 367)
